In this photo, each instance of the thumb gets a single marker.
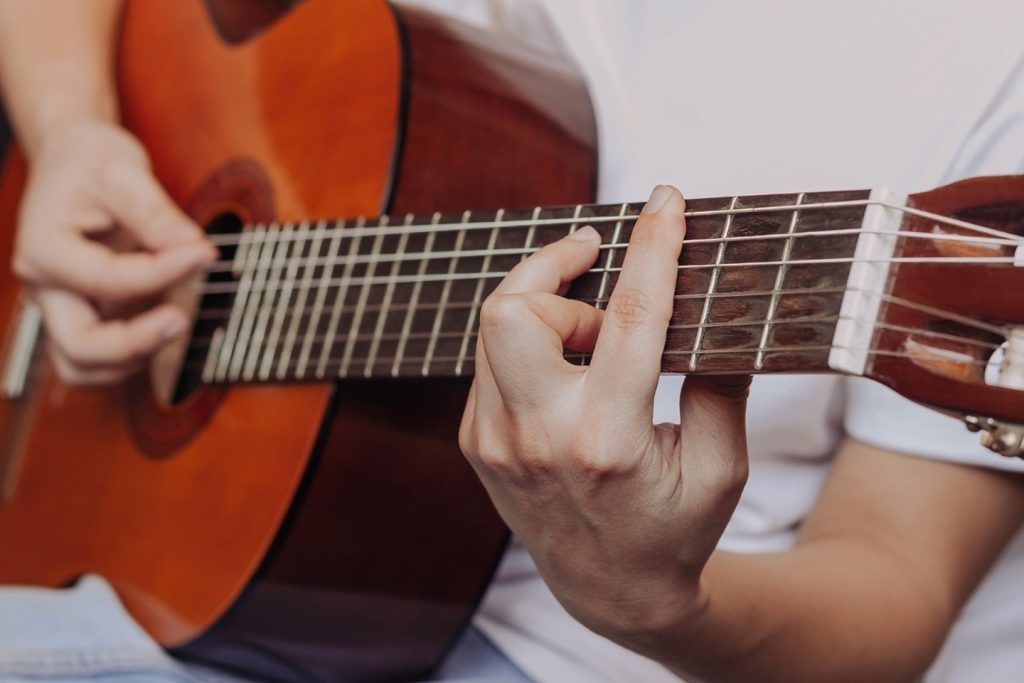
(143, 208)
(713, 416)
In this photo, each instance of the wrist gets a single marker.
(646, 619)
(663, 623)
(59, 111)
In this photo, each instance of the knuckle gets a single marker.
(631, 308)
(499, 311)
(598, 456)
(467, 439)
(494, 458)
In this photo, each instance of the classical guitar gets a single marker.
(282, 493)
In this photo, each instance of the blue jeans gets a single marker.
(83, 634)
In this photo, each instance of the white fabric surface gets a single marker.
(737, 97)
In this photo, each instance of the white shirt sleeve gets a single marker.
(879, 416)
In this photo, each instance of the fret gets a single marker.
(283, 308)
(601, 298)
(574, 225)
(760, 283)
(445, 295)
(339, 302)
(414, 298)
(478, 293)
(246, 257)
(364, 294)
(531, 232)
(302, 294)
(322, 287)
(712, 286)
(210, 362)
(780, 277)
(274, 288)
(256, 294)
(385, 305)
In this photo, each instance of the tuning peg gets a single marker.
(1004, 438)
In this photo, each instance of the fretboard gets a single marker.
(761, 281)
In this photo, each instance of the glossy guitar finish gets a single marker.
(307, 532)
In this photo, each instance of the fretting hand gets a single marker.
(619, 515)
(97, 234)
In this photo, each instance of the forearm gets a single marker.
(825, 611)
(879, 572)
(56, 63)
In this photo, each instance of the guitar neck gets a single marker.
(760, 289)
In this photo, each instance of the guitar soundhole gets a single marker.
(170, 404)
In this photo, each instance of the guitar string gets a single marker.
(364, 281)
(416, 362)
(823, 319)
(218, 313)
(950, 316)
(888, 298)
(308, 261)
(202, 343)
(397, 229)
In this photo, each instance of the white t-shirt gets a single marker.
(733, 97)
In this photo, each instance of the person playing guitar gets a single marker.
(863, 533)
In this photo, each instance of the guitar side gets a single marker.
(309, 532)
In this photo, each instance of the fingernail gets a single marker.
(659, 196)
(586, 234)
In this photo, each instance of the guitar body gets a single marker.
(306, 532)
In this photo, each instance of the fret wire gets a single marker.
(292, 336)
(1010, 238)
(389, 292)
(339, 302)
(414, 299)
(304, 289)
(712, 287)
(282, 309)
(307, 289)
(602, 287)
(262, 312)
(248, 251)
(780, 276)
(478, 292)
(445, 294)
(209, 363)
(616, 233)
(217, 356)
(531, 232)
(364, 294)
(256, 296)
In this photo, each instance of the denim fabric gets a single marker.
(83, 634)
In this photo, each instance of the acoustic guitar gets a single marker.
(282, 494)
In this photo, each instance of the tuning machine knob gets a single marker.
(1004, 438)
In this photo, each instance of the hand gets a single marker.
(619, 515)
(98, 235)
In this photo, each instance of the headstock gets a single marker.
(950, 331)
